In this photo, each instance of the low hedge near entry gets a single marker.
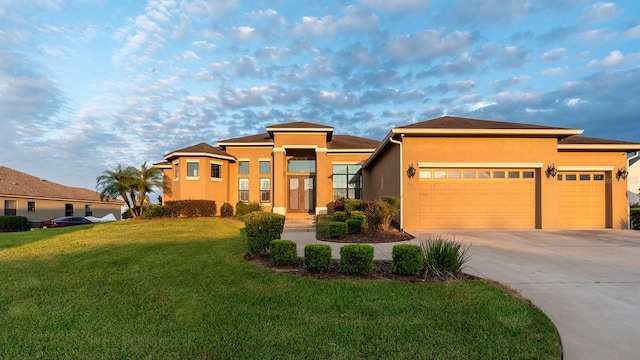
(356, 259)
(317, 257)
(354, 226)
(11, 223)
(190, 208)
(262, 227)
(283, 252)
(407, 259)
(338, 229)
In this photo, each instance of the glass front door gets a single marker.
(301, 194)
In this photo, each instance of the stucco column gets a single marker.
(322, 181)
(279, 181)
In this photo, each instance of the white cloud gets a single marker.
(632, 33)
(427, 45)
(204, 45)
(245, 33)
(189, 56)
(207, 9)
(600, 12)
(396, 5)
(574, 102)
(555, 71)
(314, 27)
(495, 12)
(553, 55)
(481, 105)
(614, 59)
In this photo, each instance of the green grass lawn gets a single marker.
(180, 289)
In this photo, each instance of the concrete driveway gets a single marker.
(587, 282)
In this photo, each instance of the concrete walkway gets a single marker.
(587, 282)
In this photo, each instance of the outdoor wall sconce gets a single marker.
(551, 170)
(622, 173)
(411, 171)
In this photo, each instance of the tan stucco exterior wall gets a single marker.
(383, 178)
(49, 209)
(202, 186)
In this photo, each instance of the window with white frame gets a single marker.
(243, 167)
(193, 169)
(347, 181)
(265, 167)
(265, 190)
(243, 189)
(216, 171)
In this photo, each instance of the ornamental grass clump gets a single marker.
(445, 256)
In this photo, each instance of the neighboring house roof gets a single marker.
(202, 149)
(633, 161)
(348, 142)
(18, 184)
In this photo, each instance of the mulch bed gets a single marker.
(381, 236)
(381, 271)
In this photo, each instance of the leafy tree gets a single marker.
(132, 185)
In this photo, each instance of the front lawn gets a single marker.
(180, 289)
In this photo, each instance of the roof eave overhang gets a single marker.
(600, 147)
(378, 150)
(174, 155)
(328, 131)
(364, 151)
(245, 144)
(490, 132)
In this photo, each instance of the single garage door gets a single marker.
(477, 198)
(581, 200)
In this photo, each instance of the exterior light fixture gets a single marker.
(622, 173)
(551, 170)
(411, 171)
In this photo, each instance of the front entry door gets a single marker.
(301, 194)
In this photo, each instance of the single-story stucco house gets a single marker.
(38, 199)
(450, 173)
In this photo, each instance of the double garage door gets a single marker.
(478, 198)
(467, 198)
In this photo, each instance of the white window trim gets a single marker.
(221, 166)
(193, 177)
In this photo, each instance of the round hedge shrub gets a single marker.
(407, 259)
(354, 226)
(338, 229)
(262, 227)
(317, 257)
(339, 216)
(153, 211)
(356, 259)
(226, 210)
(283, 252)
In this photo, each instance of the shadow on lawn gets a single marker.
(15, 239)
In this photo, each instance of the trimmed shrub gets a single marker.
(407, 259)
(243, 208)
(354, 226)
(283, 252)
(190, 208)
(126, 214)
(363, 220)
(351, 205)
(356, 259)
(226, 210)
(390, 205)
(339, 216)
(444, 256)
(261, 228)
(11, 223)
(338, 229)
(322, 224)
(317, 257)
(153, 211)
(355, 213)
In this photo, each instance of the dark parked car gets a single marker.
(65, 221)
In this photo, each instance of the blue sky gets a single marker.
(86, 85)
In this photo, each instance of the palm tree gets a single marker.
(146, 179)
(117, 183)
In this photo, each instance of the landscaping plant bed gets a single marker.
(381, 271)
(382, 236)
